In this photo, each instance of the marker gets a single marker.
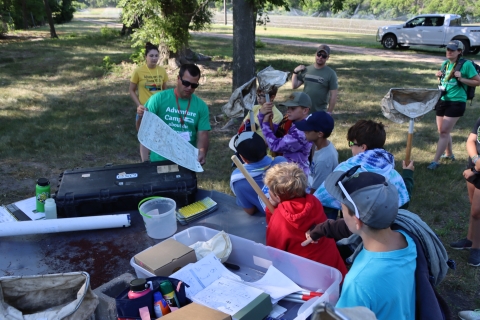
(307, 242)
(300, 297)
(293, 300)
(310, 293)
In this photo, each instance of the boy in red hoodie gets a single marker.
(295, 212)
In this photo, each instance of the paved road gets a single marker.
(388, 54)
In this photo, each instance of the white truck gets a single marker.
(430, 30)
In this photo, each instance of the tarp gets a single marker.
(242, 98)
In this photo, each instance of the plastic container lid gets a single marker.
(138, 285)
(43, 182)
(166, 287)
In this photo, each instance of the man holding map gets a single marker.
(182, 111)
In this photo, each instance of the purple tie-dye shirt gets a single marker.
(293, 145)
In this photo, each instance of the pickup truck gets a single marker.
(430, 30)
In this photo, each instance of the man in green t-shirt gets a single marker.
(182, 110)
(320, 81)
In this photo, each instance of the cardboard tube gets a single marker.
(64, 225)
(253, 183)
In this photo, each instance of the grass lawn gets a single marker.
(61, 108)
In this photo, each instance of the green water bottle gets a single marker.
(42, 193)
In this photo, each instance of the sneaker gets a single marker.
(445, 157)
(433, 165)
(461, 244)
(469, 314)
(474, 259)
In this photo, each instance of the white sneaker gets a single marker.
(469, 314)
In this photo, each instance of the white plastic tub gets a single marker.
(255, 258)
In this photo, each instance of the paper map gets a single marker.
(157, 136)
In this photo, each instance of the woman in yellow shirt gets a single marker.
(147, 79)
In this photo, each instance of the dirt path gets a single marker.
(390, 54)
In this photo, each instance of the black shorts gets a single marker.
(452, 109)
(475, 180)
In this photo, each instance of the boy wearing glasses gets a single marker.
(291, 142)
(295, 211)
(382, 277)
(182, 110)
(320, 81)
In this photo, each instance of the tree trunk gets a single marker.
(53, 34)
(24, 13)
(244, 22)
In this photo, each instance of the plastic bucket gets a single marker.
(159, 216)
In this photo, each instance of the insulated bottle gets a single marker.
(42, 193)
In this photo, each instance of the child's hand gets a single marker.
(409, 167)
(274, 200)
(468, 173)
(307, 236)
(266, 108)
(267, 117)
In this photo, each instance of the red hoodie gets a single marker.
(288, 224)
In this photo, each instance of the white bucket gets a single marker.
(159, 216)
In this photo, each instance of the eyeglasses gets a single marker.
(351, 144)
(323, 55)
(189, 84)
(347, 175)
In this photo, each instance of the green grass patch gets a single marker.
(60, 109)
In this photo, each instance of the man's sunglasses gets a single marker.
(346, 176)
(323, 55)
(351, 144)
(189, 84)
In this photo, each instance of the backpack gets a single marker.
(469, 90)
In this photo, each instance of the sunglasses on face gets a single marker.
(344, 178)
(323, 55)
(351, 144)
(189, 84)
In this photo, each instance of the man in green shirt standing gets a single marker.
(183, 111)
(320, 81)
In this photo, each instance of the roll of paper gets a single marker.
(64, 225)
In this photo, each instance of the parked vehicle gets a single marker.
(430, 30)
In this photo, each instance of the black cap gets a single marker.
(138, 284)
(43, 182)
(251, 146)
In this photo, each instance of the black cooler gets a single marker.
(94, 191)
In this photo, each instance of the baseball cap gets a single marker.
(373, 199)
(298, 99)
(324, 47)
(319, 121)
(455, 45)
(250, 145)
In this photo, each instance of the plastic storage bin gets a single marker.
(254, 259)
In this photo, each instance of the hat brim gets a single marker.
(302, 125)
(291, 104)
(231, 143)
(332, 189)
(453, 47)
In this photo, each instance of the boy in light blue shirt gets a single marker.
(382, 277)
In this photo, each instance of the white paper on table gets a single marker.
(29, 207)
(276, 284)
(157, 136)
(227, 295)
(5, 216)
(201, 274)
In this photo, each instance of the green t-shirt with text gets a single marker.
(164, 105)
(317, 84)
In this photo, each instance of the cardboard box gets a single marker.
(195, 311)
(165, 258)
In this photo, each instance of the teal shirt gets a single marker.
(456, 91)
(164, 105)
(384, 282)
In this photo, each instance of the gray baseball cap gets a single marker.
(298, 99)
(324, 47)
(373, 199)
(455, 45)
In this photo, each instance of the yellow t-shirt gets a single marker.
(148, 81)
(277, 117)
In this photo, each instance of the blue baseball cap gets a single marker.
(319, 121)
